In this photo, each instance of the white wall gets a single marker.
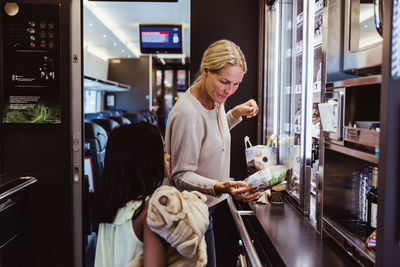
(94, 66)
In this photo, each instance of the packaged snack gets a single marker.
(267, 178)
(258, 157)
(371, 240)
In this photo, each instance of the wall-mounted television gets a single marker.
(160, 38)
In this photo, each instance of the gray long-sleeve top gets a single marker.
(199, 143)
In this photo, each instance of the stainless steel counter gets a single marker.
(295, 240)
(12, 218)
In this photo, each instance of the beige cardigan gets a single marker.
(199, 143)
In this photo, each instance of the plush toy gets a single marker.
(180, 218)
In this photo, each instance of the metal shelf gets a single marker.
(353, 153)
(347, 240)
(374, 79)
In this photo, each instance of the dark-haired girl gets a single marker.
(134, 168)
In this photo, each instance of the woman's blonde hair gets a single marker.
(219, 54)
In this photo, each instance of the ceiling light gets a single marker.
(104, 35)
(90, 24)
(115, 44)
(123, 50)
(104, 17)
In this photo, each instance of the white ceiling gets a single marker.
(111, 29)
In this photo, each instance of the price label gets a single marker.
(319, 5)
(298, 89)
(300, 18)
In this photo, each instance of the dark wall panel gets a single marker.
(44, 151)
(134, 72)
(236, 20)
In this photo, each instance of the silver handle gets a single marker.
(250, 250)
(341, 117)
(378, 14)
(76, 171)
(28, 181)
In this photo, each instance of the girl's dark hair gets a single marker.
(133, 168)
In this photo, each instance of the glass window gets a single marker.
(181, 80)
(168, 84)
(92, 101)
(157, 91)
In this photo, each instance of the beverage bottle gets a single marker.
(372, 199)
(365, 181)
(363, 191)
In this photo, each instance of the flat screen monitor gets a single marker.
(89, 172)
(159, 39)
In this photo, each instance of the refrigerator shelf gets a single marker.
(347, 234)
(353, 153)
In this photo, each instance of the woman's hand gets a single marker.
(248, 109)
(237, 189)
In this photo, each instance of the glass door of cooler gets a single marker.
(318, 79)
(300, 82)
(292, 102)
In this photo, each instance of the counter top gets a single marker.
(295, 239)
(10, 185)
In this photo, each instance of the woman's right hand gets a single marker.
(237, 189)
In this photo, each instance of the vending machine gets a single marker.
(41, 124)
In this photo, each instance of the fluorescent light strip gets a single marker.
(102, 16)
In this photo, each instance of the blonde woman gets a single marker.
(197, 135)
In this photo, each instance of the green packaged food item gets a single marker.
(267, 178)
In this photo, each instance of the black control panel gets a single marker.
(31, 73)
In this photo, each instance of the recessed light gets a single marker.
(90, 24)
(104, 36)
(108, 22)
(115, 44)
(123, 50)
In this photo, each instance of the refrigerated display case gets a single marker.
(297, 92)
(349, 158)
(368, 103)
